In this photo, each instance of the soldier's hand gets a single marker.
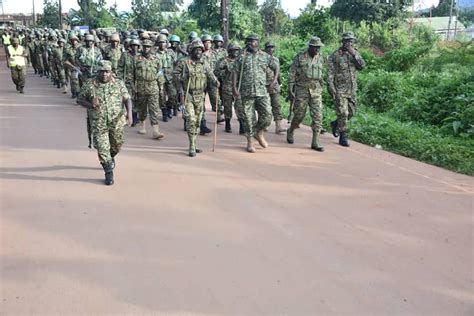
(129, 119)
(95, 102)
(291, 96)
(236, 95)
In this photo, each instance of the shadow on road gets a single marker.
(12, 173)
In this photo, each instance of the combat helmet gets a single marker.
(218, 38)
(115, 37)
(233, 46)
(196, 44)
(161, 39)
(147, 43)
(89, 38)
(175, 38)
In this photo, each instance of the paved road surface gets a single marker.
(285, 231)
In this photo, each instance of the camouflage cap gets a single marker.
(206, 37)
(89, 38)
(269, 44)
(315, 41)
(196, 44)
(348, 36)
(233, 46)
(161, 39)
(115, 37)
(175, 38)
(252, 37)
(218, 38)
(104, 65)
(147, 43)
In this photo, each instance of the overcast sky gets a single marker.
(292, 6)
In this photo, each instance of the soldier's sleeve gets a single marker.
(331, 70)
(123, 90)
(292, 76)
(211, 78)
(87, 91)
(358, 61)
(121, 66)
(178, 71)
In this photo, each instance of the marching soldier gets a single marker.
(69, 60)
(105, 96)
(113, 51)
(343, 65)
(87, 59)
(194, 74)
(305, 89)
(58, 53)
(275, 90)
(167, 58)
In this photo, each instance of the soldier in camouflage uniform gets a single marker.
(343, 65)
(148, 86)
(194, 74)
(224, 71)
(69, 60)
(167, 58)
(305, 88)
(175, 43)
(87, 58)
(274, 91)
(209, 57)
(105, 96)
(250, 71)
(112, 52)
(51, 45)
(219, 50)
(30, 45)
(58, 53)
(126, 72)
(37, 54)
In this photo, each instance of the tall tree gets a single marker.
(274, 17)
(50, 16)
(443, 8)
(368, 10)
(147, 14)
(92, 13)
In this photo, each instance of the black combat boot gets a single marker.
(169, 111)
(36, 71)
(135, 120)
(164, 114)
(58, 84)
(241, 127)
(334, 131)
(343, 141)
(203, 130)
(109, 172)
(21, 90)
(175, 112)
(184, 124)
(228, 127)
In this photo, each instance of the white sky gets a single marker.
(292, 6)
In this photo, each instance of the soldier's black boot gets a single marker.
(343, 141)
(135, 119)
(184, 124)
(289, 135)
(169, 111)
(203, 129)
(334, 131)
(21, 90)
(109, 172)
(241, 127)
(228, 127)
(164, 114)
(36, 71)
(175, 112)
(58, 84)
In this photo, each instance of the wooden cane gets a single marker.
(215, 125)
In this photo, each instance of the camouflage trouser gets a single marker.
(61, 75)
(45, 63)
(148, 104)
(53, 69)
(315, 103)
(39, 62)
(74, 81)
(227, 102)
(261, 105)
(346, 107)
(18, 75)
(171, 95)
(108, 137)
(276, 107)
(194, 106)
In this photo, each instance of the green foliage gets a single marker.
(466, 16)
(368, 10)
(443, 8)
(92, 13)
(146, 14)
(315, 20)
(50, 16)
(275, 19)
(403, 59)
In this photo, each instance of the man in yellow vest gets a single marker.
(6, 40)
(17, 63)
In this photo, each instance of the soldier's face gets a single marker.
(218, 44)
(313, 50)
(104, 75)
(234, 53)
(89, 44)
(253, 45)
(146, 50)
(207, 45)
(114, 44)
(134, 48)
(197, 53)
(162, 45)
(174, 44)
(270, 50)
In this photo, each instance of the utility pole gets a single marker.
(450, 18)
(456, 22)
(60, 16)
(225, 21)
(34, 13)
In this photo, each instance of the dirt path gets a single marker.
(285, 231)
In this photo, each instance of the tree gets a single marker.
(274, 17)
(92, 13)
(316, 21)
(147, 14)
(368, 10)
(50, 17)
(170, 5)
(443, 8)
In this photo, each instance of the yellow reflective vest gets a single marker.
(16, 56)
(6, 39)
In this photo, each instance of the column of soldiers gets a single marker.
(157, 73)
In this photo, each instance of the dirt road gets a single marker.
(285, 231)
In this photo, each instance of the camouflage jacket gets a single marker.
(167, 60)
(254, 68)
(148, 74)
(224, 71)
(58, 56)
(126, 67)
(306, 72)
(270, 74)
(87, 59)
(194, 75)
(111, 95)
(113, 55)
(342, 72)
(210, 57)
(220, 53)
(69, 53)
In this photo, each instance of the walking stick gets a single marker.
(215, 126)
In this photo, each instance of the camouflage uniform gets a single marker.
(275, 91)
(147, 72)
(50, 47)
(87, 58)
(37, 55)
(58, 52)
(342, 82)
(210, 58)
(113, 55)
(194, 77)
(69, 55)
(108, 119)
(31, 54)
(306, 80)
(167, 59)
(253, 90)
